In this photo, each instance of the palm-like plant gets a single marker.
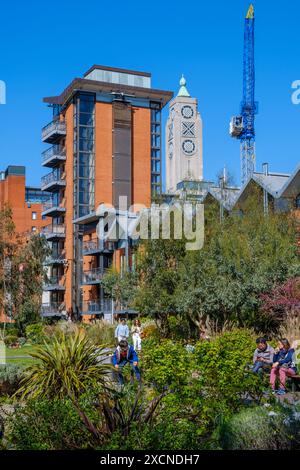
(65, 367)
(121, 413)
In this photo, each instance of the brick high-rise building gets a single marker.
(25, 201)
(106, 143)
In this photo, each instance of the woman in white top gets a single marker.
(136, 331)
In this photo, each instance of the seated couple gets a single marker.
(280, 362)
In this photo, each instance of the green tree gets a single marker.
(158, 269)
(121, 286)
(242, 258)
(7, 251)
(21, 272)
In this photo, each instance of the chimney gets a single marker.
(265, 169)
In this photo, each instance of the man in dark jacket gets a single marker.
(263, 356)
(125, 354)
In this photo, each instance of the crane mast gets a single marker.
(242, 126)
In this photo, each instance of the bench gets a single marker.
(295, 380)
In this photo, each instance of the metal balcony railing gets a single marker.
(54, 283)
(53, 309)
(92, 276)
(53, 130)
(50, 204)
(97, 246)
(53, 178)
(97, 306)
(56, 257)
(52, 231)
(54, 153)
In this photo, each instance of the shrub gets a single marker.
(165, 364)
(162, 435)
(261, 429)
(222, 365)
(35, 333)
(47, 425)
(180, 328)
(290, 328)
(11, 340)
(101, 332)
(10, 329)
(150, 330)
(10, 376)
(21, 341)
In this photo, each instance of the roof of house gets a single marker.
(226, 196)
(291, 188)
(273, 183)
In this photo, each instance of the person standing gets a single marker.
(122, 331)
(136, 332)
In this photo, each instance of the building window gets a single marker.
(298, 201)
(33, 229)
(33, 215)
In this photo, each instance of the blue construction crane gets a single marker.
(242, 127)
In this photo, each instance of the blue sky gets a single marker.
(44, 45)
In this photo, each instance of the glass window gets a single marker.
(86, 119)
(155, 153)
(86, 106)
(33, 229)
(86, 133)
(155, 166)
(86, 145)
(83, 197)
(33, 215)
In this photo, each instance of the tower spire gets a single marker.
(183, 90)
(250, 13)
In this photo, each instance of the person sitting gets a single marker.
(124, 354)
(263, 356)
(283, 365)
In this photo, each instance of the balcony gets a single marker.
(56, 258)
(54, 283)
(52, 181)
(93, 247)
(54, 232)
(96, 307)
(53, 156)
(53, 309)
(53, 209)
(92, 276)
(53, 131)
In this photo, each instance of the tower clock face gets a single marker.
(187, 112)
(188, 147)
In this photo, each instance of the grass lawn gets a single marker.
(20, 356)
